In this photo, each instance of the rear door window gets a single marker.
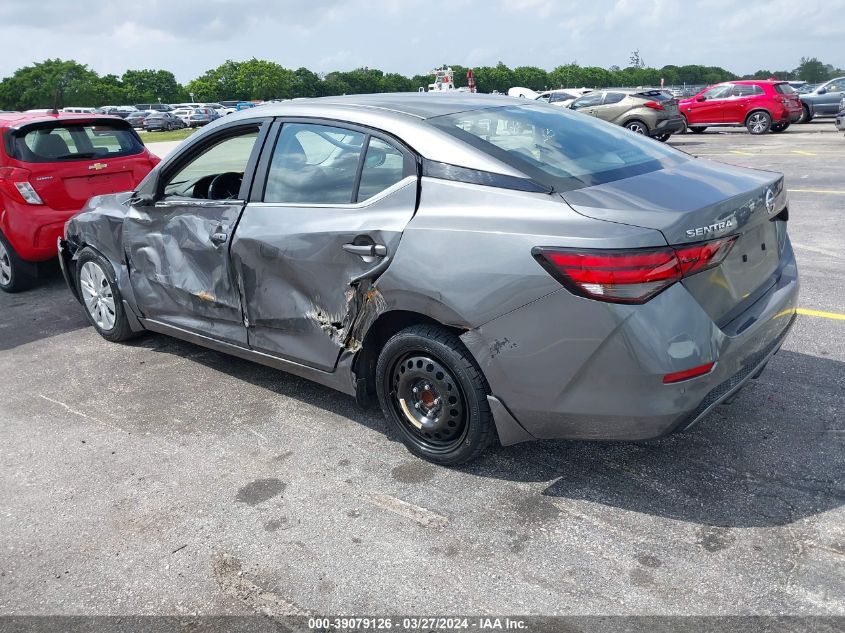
(784, 89)
(384, 166)
(83, 141)
(314, 164)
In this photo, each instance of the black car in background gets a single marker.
(162, 121)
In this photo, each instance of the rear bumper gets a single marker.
(840, 121)
(567, 367)
(32, 229)
(669, 126)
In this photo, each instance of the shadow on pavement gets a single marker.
(770, 458)
(46, 310)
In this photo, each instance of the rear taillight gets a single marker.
(629, 276)
(15, 181)
(654, 105)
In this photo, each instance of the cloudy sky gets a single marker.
(413, 36)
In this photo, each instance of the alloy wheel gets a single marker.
(637, 128)
(428, 400)
(758, 123)
(5, 266)
(97, 294)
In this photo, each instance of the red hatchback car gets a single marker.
(760, 106)
(50, 164)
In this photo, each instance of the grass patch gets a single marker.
(172, 135)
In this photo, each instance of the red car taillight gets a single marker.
(654, 105)
(629, 276)
(15, 181)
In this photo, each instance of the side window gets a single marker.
(216, 173)
(384, 166)
(613, 97)
(314, 164)
(836, 86)
(718, 92)
(591, 99)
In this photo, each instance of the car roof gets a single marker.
(16, 119)
(421, 105)
(752, 82)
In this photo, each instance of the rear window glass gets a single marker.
(656, 95)
(784, 89)
(69, 142)
(559, 148)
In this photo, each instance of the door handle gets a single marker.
(366, 250)
(219, 238)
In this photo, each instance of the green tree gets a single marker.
(53, 83)
(530, 77)
(812, 70)
(150, 86)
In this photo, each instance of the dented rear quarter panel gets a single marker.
(465, 257)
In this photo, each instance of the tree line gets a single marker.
(59, 83)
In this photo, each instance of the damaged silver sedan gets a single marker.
(484, 268)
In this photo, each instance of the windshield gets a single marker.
(558, 148)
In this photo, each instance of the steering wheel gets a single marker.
(225, 186)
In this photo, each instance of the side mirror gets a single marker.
(140, 200)
(701, 99)
(821, 91)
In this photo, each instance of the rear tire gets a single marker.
(16, 274)
(95, 281)
(637, 127)
(779, 127)
(663, 137)
(758, 122)
(697, 129)
(434, 395)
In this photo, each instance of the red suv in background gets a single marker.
(760, 106)
(50, 164)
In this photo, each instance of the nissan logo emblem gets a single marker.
(770, 201)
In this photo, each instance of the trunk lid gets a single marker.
(698, 201)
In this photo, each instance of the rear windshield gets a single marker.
(50, 143)
(657, 95)
(784, 89)
(558, 148)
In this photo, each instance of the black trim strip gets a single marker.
(445, 171)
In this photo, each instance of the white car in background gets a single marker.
(523, 93)
(562, 97)
(219, 109)
(184, 114)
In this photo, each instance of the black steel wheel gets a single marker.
(434, 395)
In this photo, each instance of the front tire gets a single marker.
(697, 129)
(16, 274)
(758, 122)
(101, 298)
(434, 395)
(663, 137)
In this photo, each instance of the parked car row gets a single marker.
(761, 106)
(152, 120)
